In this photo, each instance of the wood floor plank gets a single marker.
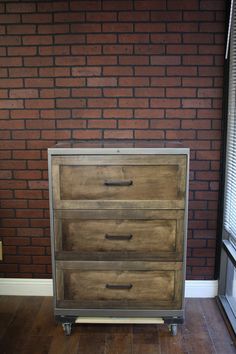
(145, 339)
(28, 326)
(218, 333)
(21, 325)
(195, 332)
(91, 344)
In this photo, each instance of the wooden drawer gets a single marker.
(140, 285)
(109, 234)
(129, 181)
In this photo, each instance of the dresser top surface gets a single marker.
(118, 147)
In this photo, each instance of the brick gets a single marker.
(165, 103)
(209, 5)
(54, 50)
(196, 124)
(86, 49)
(71, 124)
(117, 27)
(149, 71)
(117, 71)
(11, 104)
(133, 102)
(39, 103)
(182, 27)
(117, 92)
(70, 60)
(164, 124)
(198, 60)
(87, 92)
(149, 134)
(149, 92)
(25, 114)
(86, 134)
(197, 82)
(38, 61)
(210, 92)
(198, 16)
(149, 113)
(181, 71)
(149, 27)
(102, 102)
(199, 38)
(181, 134)
(133, 60)
(150, 5)
(69, 17)
(149, 49)
(117, 49)
(102, 81)
(41, 82)
(118, 113)
(133, 124)
(21, 7)
(88, 71)
(11, 124)
(23, 93)
(70, 39)
(181, 49)
(133, 38)
(180, 92)
(118, 134)
(87, 5)
(53, 29)
(70, 103)
(36, 18)
(165, 38)
(21, 29)
(101, 38)
(70, 82)
(10, 40)
(133, 16)
(21, 72)
(37, 40)
(54, 93)
(56, 135)
(10, 61)
(196, 103)
(22, 51)
(9, 18)
(134, 81)
(102, 60)
(117, 5)
(102, 123)
(165, 81)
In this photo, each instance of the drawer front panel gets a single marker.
(80, 181)
(122, 288)
(133, 235)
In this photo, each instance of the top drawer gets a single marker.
(111, 181)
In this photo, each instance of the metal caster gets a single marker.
(67, 328)
(173, 329)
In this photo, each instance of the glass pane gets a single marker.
(231, 286)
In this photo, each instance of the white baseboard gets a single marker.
(43, 287)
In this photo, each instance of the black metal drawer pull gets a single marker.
(118, 237)
(119, 286)
(116, 183)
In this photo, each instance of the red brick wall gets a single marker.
(101, 70)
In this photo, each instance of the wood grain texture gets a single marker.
(96, 239)
(203, 332)
(111, 287)
(80, 180)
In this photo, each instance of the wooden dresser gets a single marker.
(118, 231)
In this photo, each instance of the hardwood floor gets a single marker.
(27, 326)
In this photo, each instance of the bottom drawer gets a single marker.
(140, 285)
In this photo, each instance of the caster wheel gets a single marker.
(67, 328)
(173, 329)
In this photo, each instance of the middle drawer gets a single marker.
(119, 234)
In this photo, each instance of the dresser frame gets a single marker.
(70, 316)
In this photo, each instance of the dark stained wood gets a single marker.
(150, 235)
(32, 330)
(100, 181)
(141, 285)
